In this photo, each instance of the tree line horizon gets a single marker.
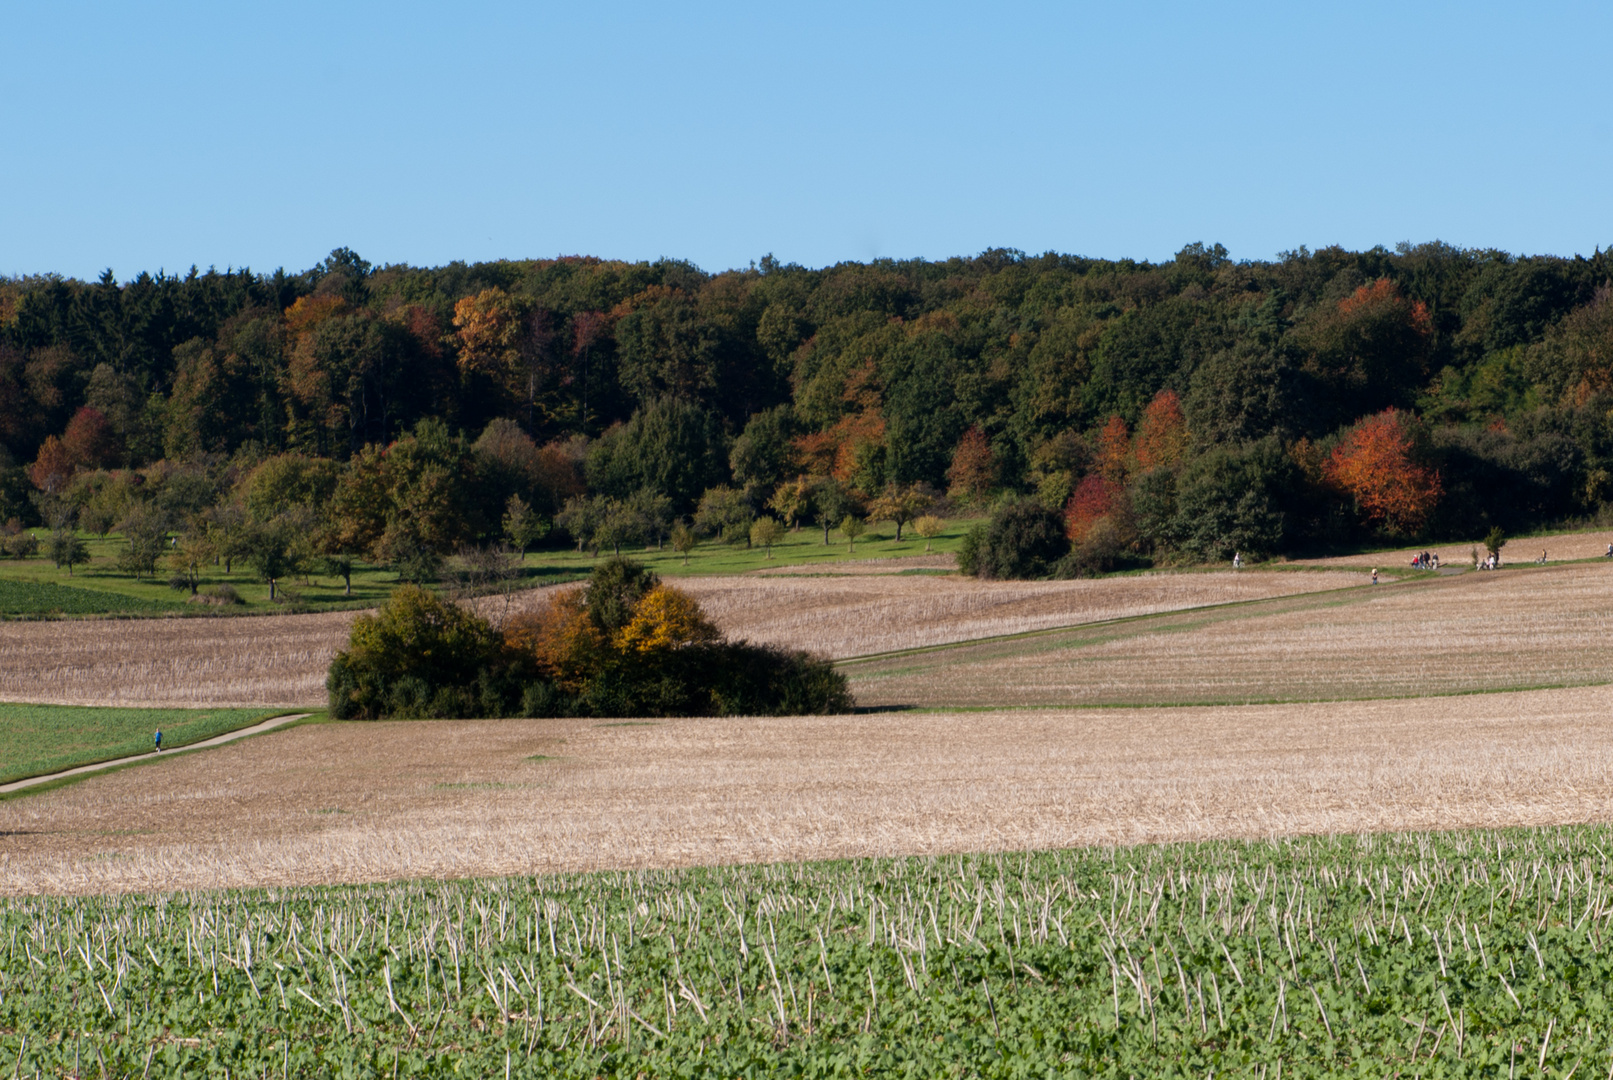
(1184, 408)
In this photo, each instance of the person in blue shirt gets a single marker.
(159, 740)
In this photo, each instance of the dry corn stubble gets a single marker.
(1488, 631)
(358, 802)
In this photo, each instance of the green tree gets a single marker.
(581, 517)
(1023, 539)
(726, 513)
(279, 547)
(766, 531)
(654, 510)
(764, 453)
(831, 503)
(145, 535)
(900, 505)
(64, 548)
(671, 446)
(522, 526)
(852, 527)
(683, 540)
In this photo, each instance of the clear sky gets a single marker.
(157, 136)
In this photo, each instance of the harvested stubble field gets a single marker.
(249, 661)
(1518, 550)
(854, 616)
(382, 801)
(1526, 627)
(281, 660)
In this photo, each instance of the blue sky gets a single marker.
(164, 135)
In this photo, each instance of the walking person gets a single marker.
(159, 740)
(1374, 575)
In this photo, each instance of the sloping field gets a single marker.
(1516, 628)
(1519, 549)
(268, 660)
(851, 616)
(280, 660)
(356, 802)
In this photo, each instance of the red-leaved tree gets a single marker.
(1375, 465)
(1094, 498)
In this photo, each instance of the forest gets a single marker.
(1179, 410)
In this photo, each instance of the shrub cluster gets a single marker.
(623, 645)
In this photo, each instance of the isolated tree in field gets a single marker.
(832, 501)
(766, 531)
(187, 559)
(900, 505)
(65, 549)
(851, 528)
(226, 526)
(683, 540)
(724, 512)
(929, 527)
(339, 564)
(621, 524)
(522, 525)
(581, 517)
(654, 511)
(145, 535)
(1375, 464)
(973, 471)
(792, 501)
(278, 548)
(1494, 541)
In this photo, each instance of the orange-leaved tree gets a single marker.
(1162, 434)
(1114, 452)
(1375, 464)
(973, 470)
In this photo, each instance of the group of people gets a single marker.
(1492, 561)
(1426, 560)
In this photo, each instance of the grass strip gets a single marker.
(41, 739)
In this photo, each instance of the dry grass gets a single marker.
(1512, 629)
(1519, 549)
(361, 802)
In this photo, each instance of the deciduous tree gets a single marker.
(1375, 463)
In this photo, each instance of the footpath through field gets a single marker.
(99, 766)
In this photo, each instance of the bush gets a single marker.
(626, 645)
(1023, 539)
(19, 545)
(420, 656)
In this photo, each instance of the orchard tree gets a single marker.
(851, 528)
(766, 531)
(900, 505)
(929, 527)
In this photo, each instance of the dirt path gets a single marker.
(217, 740)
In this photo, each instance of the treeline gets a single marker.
(1192, 407)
